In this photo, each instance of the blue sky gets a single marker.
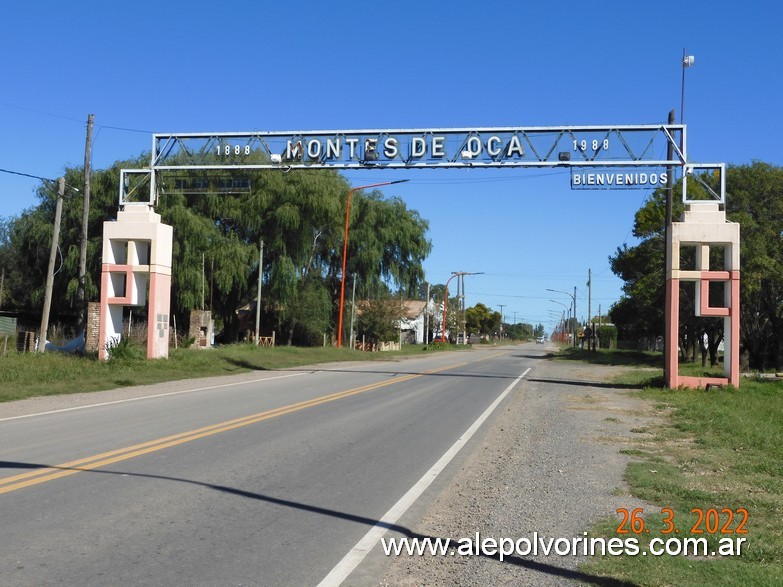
(196, 66)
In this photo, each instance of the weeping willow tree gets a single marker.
(298, 215)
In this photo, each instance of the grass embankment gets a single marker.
(720, 450)
(33, 374)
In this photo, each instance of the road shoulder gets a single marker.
(550, 464)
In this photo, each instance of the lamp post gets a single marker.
(345, 250)
(573, 298)
(258, 295)
(562, 330)
(446, 297)
(687, 61)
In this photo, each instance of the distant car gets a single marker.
(540, 340)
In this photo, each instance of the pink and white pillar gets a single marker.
(136, 271)
(703, 226)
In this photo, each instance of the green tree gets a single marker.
(521, 330)
(379, 319)
(25, 248)
(755, 201)
(480, 319)
(6, 261)
(387, 244)
(298, 215)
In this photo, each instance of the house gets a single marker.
(417, 315)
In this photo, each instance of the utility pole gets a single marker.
(427, 316)
(2, 283)
(576, 320)
(258, 295)
(589, 296)
(50, 273)
(353, 313)
(501, 320)
(459, 305)
(464, 325)
(80, 293)
(667, 261)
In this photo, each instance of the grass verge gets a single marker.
(35, 374)
(718, 450)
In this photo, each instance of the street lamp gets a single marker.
(573, 298)
(687, 61)
(563, 322)
(345, 250)
(446, 297)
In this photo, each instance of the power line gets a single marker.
(147, 132)
(39, 112)
(500, 295)
(26, 175)
(60, 116)
(37, 177)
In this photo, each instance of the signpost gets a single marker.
(598, 157)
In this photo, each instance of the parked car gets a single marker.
(440, 339)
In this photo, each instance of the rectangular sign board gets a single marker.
(618, 178)
(7, 326)
(628, 146)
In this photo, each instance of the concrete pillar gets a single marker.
(137, 252)
(702, 226)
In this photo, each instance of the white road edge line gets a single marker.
(134, 399)
(362, 548)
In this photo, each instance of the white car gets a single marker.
(540, 340)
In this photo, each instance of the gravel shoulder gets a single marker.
(550, 463)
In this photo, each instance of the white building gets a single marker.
(416, 316)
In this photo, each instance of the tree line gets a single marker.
(299, 216)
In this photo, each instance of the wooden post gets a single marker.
(80, 295)
(52, 258)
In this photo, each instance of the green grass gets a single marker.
(641, 359)
(34, 374)
(611, 357)
(717, 449)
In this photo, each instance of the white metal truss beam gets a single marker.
(575, 147)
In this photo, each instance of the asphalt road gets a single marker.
(265, 482)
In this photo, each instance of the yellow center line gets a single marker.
(8, 484)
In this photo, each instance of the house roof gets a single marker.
(413, 308)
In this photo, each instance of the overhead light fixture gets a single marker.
(688, 61)
(276, 158)
(564, 156)
(371, 149)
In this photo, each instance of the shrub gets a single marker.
(124, 350)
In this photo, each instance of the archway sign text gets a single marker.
(599, 157)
